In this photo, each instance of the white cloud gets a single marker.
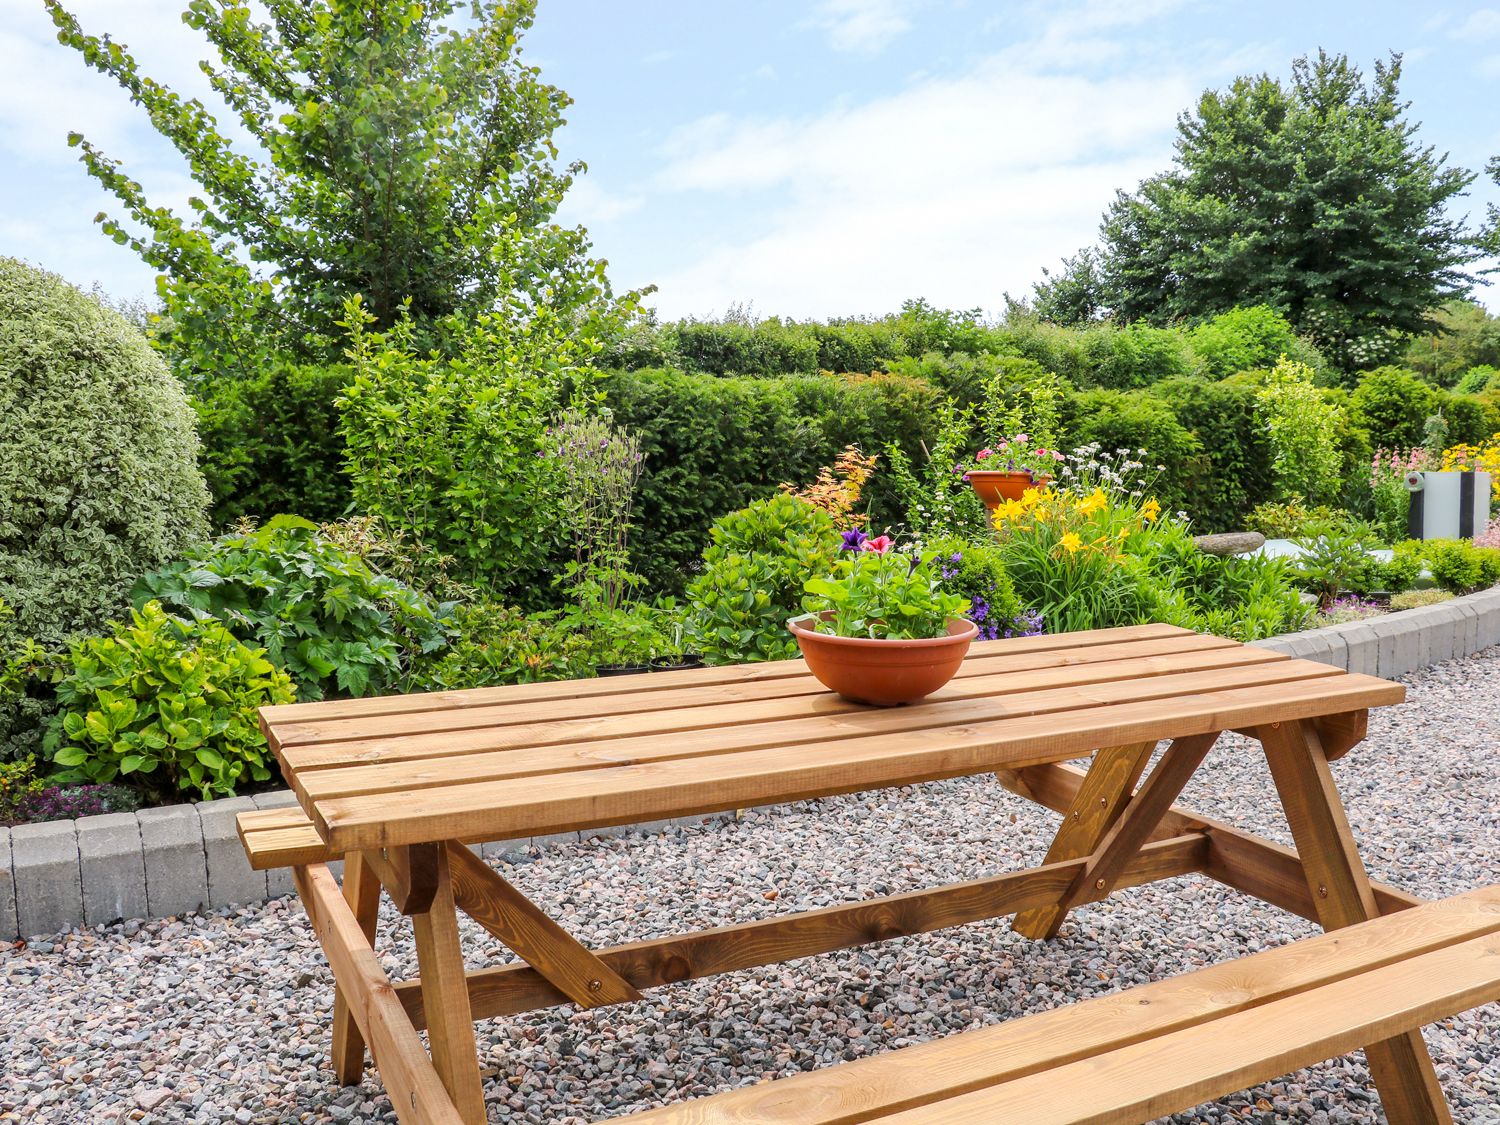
(588, 203)
(956, 188)
(861, 25)
(1483, 24)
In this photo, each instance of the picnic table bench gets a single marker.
(396, 787)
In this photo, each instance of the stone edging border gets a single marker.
(166, 861)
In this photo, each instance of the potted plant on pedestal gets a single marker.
(880, 629)
(1007, 469)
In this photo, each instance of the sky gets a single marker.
(815, 159)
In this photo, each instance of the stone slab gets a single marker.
(8, 930)
(44, 863)
(230, 880)
(176, 866)
(112, 868)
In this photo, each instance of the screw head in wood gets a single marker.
(1099, 883)
(1322, 890)
(595, 985)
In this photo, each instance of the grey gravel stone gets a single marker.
(224, 1017)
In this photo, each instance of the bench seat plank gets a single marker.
(281, 838)
(1069, 1049)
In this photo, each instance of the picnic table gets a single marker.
(396, 787)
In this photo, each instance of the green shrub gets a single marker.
(1246, 339)
(98, 459)
(714, 444)
(271, 442)
(167, 703)
(1137, 420)
(753, 573)
(1291, 519)
(1233, 472)
(494, 645)
(1393, 405)
(976, 572)
(317, 610)
(1298, 420)
(1458, 566)
(729, 348)
(1477, 379)
(1416, 599)
(1336, 559)
(447, 449)
(1397, 574)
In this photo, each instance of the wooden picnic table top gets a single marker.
(532, 759)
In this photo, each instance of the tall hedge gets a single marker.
(99, 478)
(714, 443)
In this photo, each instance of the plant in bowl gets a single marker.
(1007, 469)
(881, 628)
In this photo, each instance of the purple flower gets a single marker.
(854, 540)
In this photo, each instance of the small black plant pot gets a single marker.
(656, 664)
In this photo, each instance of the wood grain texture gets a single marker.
(383, 763)
(1047, 1044)
(362, 893)
(279, 715)
(444, 734)
(409, 874)
(509, 989)
(681, 787)
(1253, 864)
(1185, 1068)
(1106, 790)
(1402, 1067)
(417, 1093)
(555, 954)
(275, 838)
(445, 997)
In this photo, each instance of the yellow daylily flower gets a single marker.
(1151, 510)
(1093, 503)
(1070, 543)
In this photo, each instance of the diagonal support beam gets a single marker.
(557, 955)
(1103, 796)
(1140, 819)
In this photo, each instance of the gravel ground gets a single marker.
(225, 1017)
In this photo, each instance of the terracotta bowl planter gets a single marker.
(994, 488)
(884, 672)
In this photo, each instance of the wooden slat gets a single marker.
(445, 996)
(628, 794)
(409, 875)
(554, 953)
(1102, 797)
(451, 758)
(1047, 1043)
(287, 839)
(362, 893)
(1178, 1071)
(416, 1092)
(1259, 867)
(506, 990)
(686, 709)
(1401, 1066)
(523, 694)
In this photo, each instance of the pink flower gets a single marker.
(983, 453)
(879, 545)
(1004, 445)
(1021, 439)
(1056, 456)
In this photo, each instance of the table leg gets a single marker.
(445, 996)
(362, 893)
(1402, 1068)
(1106, 790)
